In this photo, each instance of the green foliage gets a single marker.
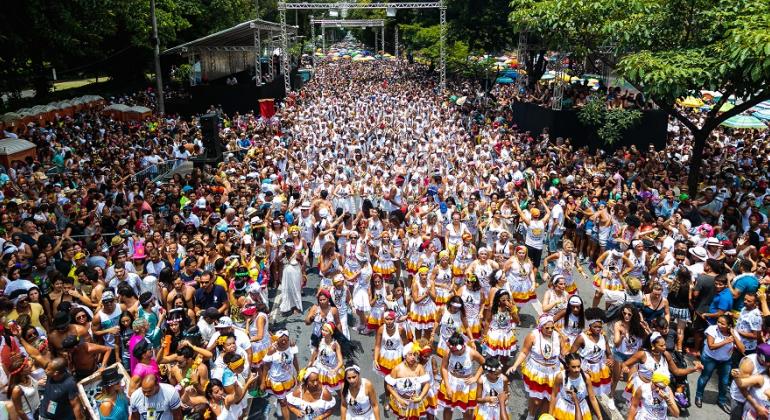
(610, 124)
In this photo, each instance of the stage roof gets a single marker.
(238, 38)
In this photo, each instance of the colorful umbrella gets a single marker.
(746, 122)
(504, 80)
(762, 114)
(691, 102)
(761, 106)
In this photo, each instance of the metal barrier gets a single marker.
(156, 171)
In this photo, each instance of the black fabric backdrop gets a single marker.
(530, 117)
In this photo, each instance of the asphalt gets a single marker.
(517, 404)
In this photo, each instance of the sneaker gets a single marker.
(610, 403)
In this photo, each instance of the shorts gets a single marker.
(680, 314)
(620, 356)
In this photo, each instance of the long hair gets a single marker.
(581, 314)
(345, 384)
(349, 349)
(371, 283)
(496, 301)
(635, 325)
(210, 387)
(457, 300)
(682, 279)
(567, 359)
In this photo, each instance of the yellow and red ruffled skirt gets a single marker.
(463, 396)
(539, 378)
(279, 389)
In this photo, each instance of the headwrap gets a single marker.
(521, 248)
(329, 326)
(660, 378)
(139, 322)
(591, 321)
(324, 292)
(410, 348)
(654, 336)
(443, 254)
(636, 242)
(575, 300)
(423, 270)
(544, 319)
(280, 333)
(306, 372)
(236, 364)
(556, 278)
(389, 314)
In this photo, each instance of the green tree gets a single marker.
(667, 49)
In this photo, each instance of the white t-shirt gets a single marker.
(535, 234)
(557, 218)
(749, 321)
(157, 407)
(721, 354)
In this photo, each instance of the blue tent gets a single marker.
(504, 80)
(513, 74)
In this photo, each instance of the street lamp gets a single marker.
(158, 76)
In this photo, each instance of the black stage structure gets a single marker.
(248, 53)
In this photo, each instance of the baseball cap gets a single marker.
(211, 313)
(224, 322)
(108, 296)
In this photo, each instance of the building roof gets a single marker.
(11, 146)
(238, 38)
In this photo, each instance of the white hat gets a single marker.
(200, 203)
(699, 252)
(256, 220)
(713, 242)
(224, 322)
(305, 205)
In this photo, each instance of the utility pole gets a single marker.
(158, 76)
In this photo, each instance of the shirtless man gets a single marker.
(63, 328)
(83, 357)
(180, 288)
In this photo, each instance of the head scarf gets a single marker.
(544, 319)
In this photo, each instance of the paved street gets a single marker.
(517, 401)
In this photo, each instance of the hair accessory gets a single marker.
(575, 300)
(591, 321)
(353, 367)
(654, 336)
(236, 364)
(544, 319)
(456, 305)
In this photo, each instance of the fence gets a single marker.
(155, 171)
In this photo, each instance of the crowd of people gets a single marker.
(423, 228)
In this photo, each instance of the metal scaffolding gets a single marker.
(395, 41)
(346, 6)
(558, 87)
(521, 52)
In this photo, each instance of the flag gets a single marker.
(267, 108)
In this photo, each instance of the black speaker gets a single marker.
(211, 143)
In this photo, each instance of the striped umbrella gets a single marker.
(762, 114)
(761, 106)
(747, 122)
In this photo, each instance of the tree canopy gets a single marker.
(665, 48)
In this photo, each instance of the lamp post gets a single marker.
(158, 76)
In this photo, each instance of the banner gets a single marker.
(267, 108)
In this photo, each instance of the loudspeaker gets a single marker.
(211, 143)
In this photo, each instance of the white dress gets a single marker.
(359, 406)
(311, 409)
(291, 286)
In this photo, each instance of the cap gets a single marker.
(224, 322)
(108, 296)
(80, 255)
(110, 376)
(211, 313)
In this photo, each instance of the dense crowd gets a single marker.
(425, 228)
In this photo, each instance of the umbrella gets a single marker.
(763, 114)
(548, 76)
(747, 122)
(504, 80)
(17, 285)
(691, 102)
(761, 106)
(724, 108)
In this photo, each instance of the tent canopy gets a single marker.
(239, 36)
(12, 146)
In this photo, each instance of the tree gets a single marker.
(610, 124)
(667, 49)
